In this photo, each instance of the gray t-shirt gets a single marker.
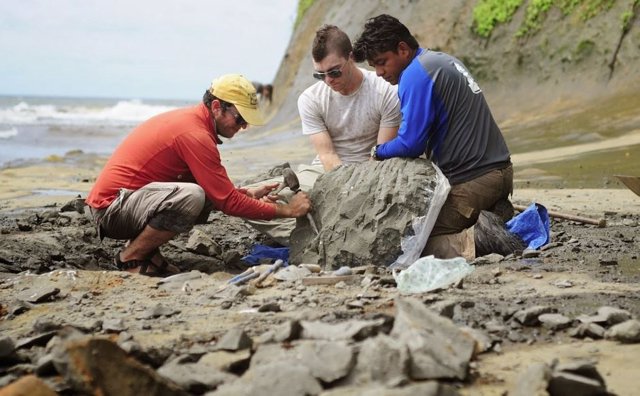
(352, 121)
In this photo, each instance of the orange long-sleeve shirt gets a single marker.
(177, 146)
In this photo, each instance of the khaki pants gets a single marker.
(280, 229)
(452, 234)
(165, 206)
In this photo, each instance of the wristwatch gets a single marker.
(374, 153)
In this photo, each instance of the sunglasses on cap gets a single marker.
(239, 120)
(334, 73)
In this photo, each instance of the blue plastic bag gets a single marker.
(532, 225)
(261, 252)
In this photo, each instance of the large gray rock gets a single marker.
(276, 378)
(382, 359)
(327, 361)
(89, 365)
(363, 211)
(533, 381)
(438, 349)
(195, 377)
(626, 332)
(351, 329)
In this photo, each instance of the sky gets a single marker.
(165, 49)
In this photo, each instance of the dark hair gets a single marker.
(208, 97)
(381, 34)
(330, 38)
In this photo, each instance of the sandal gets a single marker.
(158, 270)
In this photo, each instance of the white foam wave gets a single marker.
(123, 112)
(8, 133)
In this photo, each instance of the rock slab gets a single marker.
(363, 211)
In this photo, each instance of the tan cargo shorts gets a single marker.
(165, 206)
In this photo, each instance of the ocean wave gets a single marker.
(123, 112)
(6, 134)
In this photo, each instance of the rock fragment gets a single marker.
(382, 359)
(234, 340)
(438, 349)
(90, 364)
(626, 332)
(554, 321)
(352, 329)
(529, 316)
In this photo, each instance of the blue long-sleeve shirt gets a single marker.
(445, 115)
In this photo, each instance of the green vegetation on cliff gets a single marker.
(488, 13)
(303, 6)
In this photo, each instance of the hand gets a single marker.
(261, 191)
(298, 206)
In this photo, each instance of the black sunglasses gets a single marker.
(335, 73)
(239, 120)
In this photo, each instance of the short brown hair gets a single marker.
(330, 38)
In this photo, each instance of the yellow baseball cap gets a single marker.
(239, 91)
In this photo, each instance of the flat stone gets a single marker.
(181, 278)
(113, 325)
(530, 253)
(292, 273)
(554, 321)
(382, 359)
(159, 310)
(275, 378)
(327, 361)
(39, 294)
(438, 348)
(17, 307)
(38, 340)
(352, 329)
(195, 377)
(626, 332)
(529, 316)
(234, 340)
(201, 243)
(591, 330)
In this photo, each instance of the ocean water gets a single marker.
(32, 128)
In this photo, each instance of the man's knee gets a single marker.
(192, 200)
(180, 212)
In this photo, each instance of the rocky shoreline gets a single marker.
(72, 321)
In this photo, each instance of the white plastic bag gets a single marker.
(430, 273)
(413, 245)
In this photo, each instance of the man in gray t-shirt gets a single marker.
(350, 110)
(344, 114)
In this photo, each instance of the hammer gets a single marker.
(291, 180)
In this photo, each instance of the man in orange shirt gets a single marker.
(167, 175)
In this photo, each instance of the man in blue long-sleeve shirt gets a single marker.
(445, 116)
